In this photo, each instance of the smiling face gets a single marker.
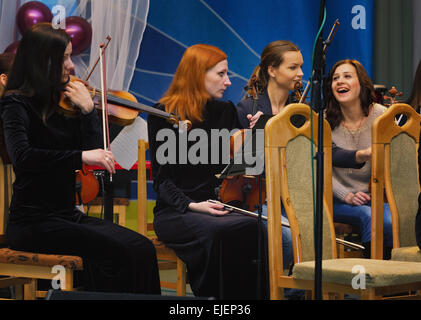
(217, 80)
(345, 84)
(289, 72)
(67, 63)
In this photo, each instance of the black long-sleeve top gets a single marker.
(177, 184)
(45, 156)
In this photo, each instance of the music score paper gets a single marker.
(124, 146)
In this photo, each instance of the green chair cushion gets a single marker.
(378, 273)
(407, 254)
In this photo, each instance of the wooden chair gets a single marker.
(166, 256)
(395, 169)
(19, 267)
(288, 161)
(120, 205)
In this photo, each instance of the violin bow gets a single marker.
(284, 224)
(99, 58)
(105, 125)
(331, 35)
(325, 48)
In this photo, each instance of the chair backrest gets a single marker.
(6, 183)
(2, 197)
(142, 209)
(288, 166)
(395, 170)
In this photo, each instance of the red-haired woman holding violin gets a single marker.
(218, 247)
(46, 147)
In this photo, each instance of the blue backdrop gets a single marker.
(242, 28)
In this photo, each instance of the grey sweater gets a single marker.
(346, 180)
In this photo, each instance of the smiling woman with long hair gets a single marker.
(351, 110)
(46, 148)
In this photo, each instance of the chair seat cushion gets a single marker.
(39, 259)
(407, 254)
(378, 273)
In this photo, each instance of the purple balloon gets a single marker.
(81, 33)
(31, 13)
(13, 47)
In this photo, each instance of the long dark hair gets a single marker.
(6, 61)
(415, 98)
(367, 94)
(272, 56)
(38, 65)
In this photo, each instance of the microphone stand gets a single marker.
(259, 216)
(317, 103)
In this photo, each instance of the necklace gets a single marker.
(353, 137)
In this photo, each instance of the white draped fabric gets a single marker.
(123, 20)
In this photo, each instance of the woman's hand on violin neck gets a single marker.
(78, 93)
(99, 157)
(208, 207)
(253, 119)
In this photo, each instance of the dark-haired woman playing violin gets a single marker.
(46, 148)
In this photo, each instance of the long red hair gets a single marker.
(187, 95)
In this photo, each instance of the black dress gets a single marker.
(220, 251)
(43, 217)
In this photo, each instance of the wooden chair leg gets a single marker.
(368, 294)
(341, 296)
(181, 278)
(29, 292)
(68, 281)
(18, 292)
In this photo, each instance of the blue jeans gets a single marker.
(361, 216)
(287, 256)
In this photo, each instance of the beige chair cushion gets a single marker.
(379, 273)
(407, 254)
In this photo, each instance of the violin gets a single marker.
(123, 107)
(243, 190)
(87, 186)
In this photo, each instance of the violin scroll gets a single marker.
(393, 93)
(298, 91)
(254, 88)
